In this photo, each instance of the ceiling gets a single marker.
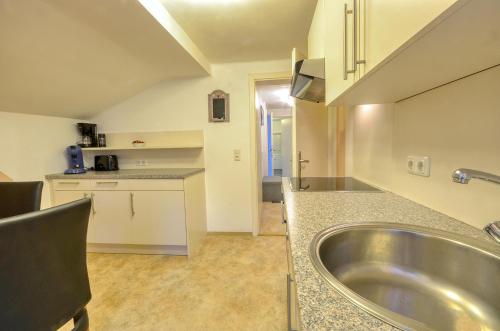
(76, 58)
(275, 94)
(244, 30)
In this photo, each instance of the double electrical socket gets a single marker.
(141, 163)
(419, 165)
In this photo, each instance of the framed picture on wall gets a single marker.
(218, 106)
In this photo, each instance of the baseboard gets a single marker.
(230, 233)
(272, 234)
(137, 249)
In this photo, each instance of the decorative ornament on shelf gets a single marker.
(218, 106)
(138, 143)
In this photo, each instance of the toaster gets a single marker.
(106, 163)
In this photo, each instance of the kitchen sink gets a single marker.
(411, 277)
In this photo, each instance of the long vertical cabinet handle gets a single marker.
(92, 204)
(132, 209)
(355, 60)
(346, 13)
(283, 218)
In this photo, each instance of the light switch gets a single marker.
(237, 155)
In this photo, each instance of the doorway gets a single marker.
(274, 136)
(315, 131)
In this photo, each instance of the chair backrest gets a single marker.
(43, 267)
(19, 197)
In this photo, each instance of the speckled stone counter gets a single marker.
(165, 173)
(321, 306)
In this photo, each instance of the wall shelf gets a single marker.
(122, 141)
(463, 40)
(130, 148)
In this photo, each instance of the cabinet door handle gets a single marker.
(355, 60)
(92, 204)
(346, 13)
(355, 16)
(68, 183)
(283, 219)
(106, 183)
(132, 210)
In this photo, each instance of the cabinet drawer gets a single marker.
(138, 185)
(72, 185)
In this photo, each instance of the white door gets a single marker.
(112, 217)
(62, 197)
(159, 217)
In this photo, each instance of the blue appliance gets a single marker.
(75, 160)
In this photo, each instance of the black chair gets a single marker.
(43, 269)
(17, 198)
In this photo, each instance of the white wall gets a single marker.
(456, 125)
(182, 105)
(33, 146)
(311, 137)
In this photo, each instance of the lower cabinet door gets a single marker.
(62, 197)
(112, 217)
(159, 217)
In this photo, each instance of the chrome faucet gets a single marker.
(300, 161)
(463, 176)
(493, 229)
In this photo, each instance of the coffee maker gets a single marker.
(88, 134)
(75, 160)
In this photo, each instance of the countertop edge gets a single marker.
(145, 175)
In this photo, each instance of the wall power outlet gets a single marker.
(419, 165)
(141, 163)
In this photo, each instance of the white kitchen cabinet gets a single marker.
(362, 33)
(158, 217)
(336, 82)
(390, 23)
(112, 217)
(62, 197)
(151, 216)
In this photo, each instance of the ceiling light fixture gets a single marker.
(284, 96)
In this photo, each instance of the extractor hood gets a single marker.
(308, 81)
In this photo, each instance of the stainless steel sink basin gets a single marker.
(412, 277)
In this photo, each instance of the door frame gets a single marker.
(255, 183)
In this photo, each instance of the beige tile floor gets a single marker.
(237, 282)
(271, 223)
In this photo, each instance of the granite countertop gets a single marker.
(321, 306)
(165, 173)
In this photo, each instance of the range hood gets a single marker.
(308, 81)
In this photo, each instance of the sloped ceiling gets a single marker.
(75, 58)
(244, 30)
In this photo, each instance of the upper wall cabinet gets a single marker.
(362, 33)
(385, 25)
(339, 48)
(380, 51)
